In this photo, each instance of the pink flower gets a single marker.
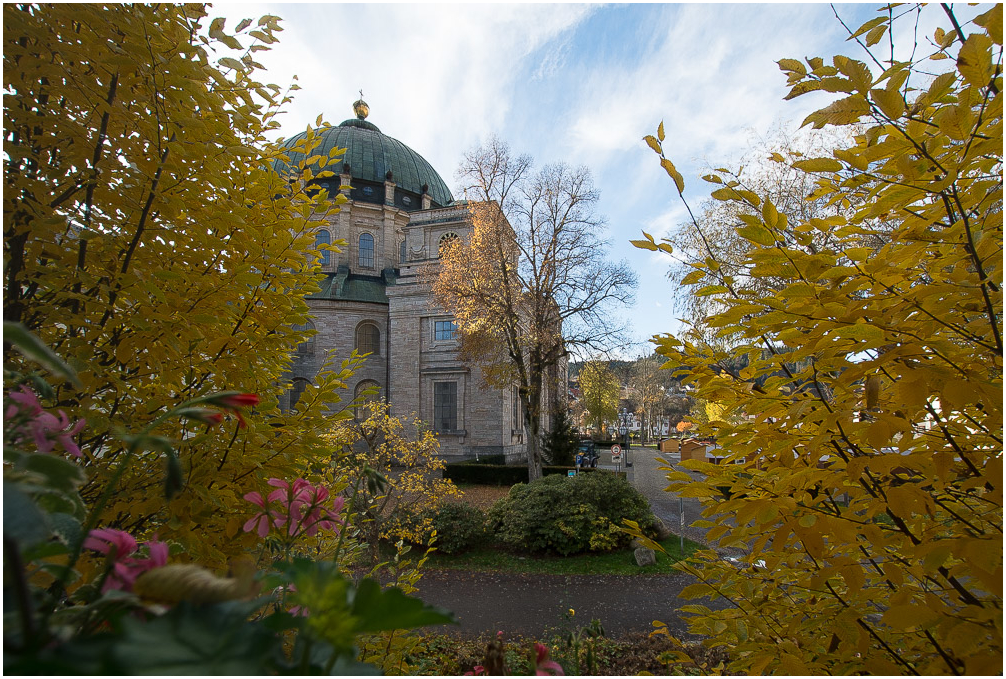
(118, 545)
(542, 663)
(26, 399)
(299, 506)
(260, 522)
(478, 670)
(42, 426)
(299, 611)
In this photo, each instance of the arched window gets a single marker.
(447, 240)
(366, 392)
(368, 339)
(296, 390)
(323, 238)
(366, 258)
(305, 349)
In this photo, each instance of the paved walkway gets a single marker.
(676, 512)
(534, 605)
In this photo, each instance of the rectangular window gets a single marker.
(445, 330)
(366, 258)
(445, 406)
(515, 410)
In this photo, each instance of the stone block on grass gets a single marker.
(644, 556)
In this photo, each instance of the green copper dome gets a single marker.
(371, 154)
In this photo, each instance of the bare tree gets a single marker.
(647, 388)
(531, 283)
(766, 168)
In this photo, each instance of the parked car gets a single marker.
(586, 454)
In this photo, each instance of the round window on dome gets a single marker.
(407, 200)
(368, 190)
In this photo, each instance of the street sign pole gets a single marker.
(681, 521)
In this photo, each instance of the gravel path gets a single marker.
(534, 604)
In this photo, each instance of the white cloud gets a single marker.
(442, 77)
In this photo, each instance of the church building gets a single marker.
(400, 212)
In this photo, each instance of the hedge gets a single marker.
(497, 475)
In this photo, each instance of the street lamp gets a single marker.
(624, 431)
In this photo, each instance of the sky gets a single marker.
(576, 83)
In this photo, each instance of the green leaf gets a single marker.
(22, 519)
(67, 527)
(379, 610)
(208, 640)
(174, 480)
(33, 348)
(59, 473)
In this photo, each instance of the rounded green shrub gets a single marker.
(567, 515)
(459, 527)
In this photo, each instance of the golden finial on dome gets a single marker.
(360, 107)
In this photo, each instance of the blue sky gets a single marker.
(576, 83)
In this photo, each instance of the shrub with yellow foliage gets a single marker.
(868, 486)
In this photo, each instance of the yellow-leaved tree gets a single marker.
(599, 391)
(148, 241)
(398, 475)
(866, 487)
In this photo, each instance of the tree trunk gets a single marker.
(532, 423)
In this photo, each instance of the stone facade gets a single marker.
(373, 299)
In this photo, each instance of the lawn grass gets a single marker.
(611, 563)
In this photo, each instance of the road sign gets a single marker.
(616, 453)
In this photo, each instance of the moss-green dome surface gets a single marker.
(371, 154)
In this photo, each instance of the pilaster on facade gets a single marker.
(373, 294)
